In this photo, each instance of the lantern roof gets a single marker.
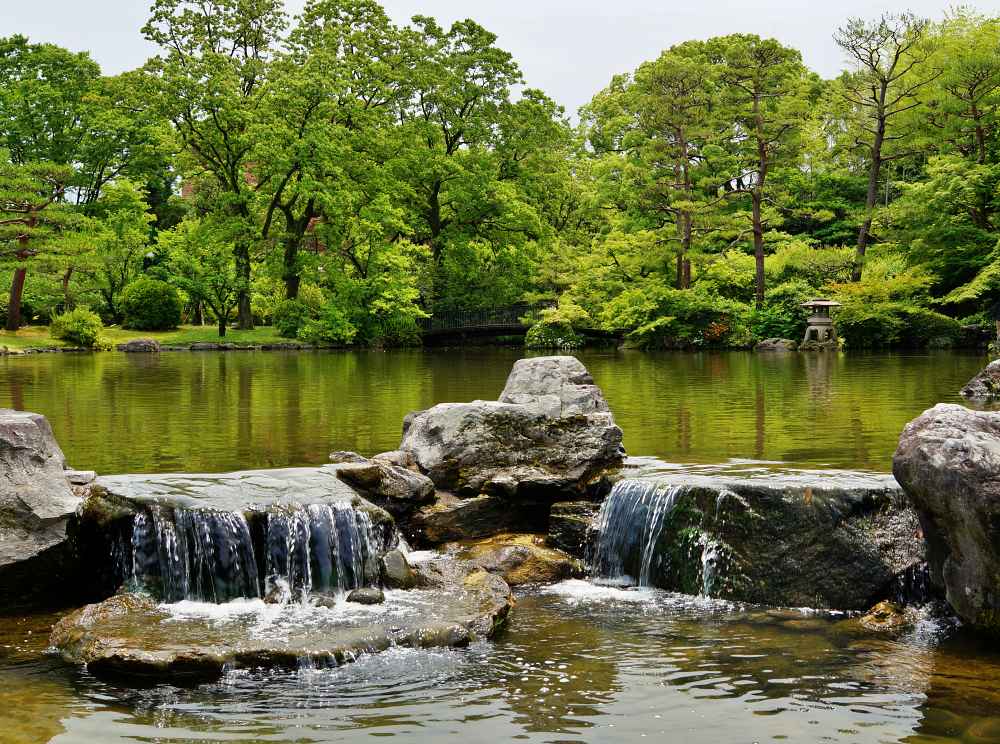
(821, 303)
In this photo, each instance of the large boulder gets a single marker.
(948, 462)
(837, 540)
(36, 504)
(551, 435)
(985, 385)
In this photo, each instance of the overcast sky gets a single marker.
(568, 48)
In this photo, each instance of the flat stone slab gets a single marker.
(251, 489)
(133, 636)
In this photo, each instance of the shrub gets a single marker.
(658, 317)
(79, 327)
(782, 315)
(927, 329)
(151, 305)
(552, 334)
(332, 326)
(875, 325)
(289, 316)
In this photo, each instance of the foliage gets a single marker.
(657, 317)
(865, 325)
(344, 176)
(289, 316)
(151, 305)
(80, 327)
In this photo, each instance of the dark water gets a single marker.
(189, 411)
(579, 663)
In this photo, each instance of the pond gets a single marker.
(580, 662)
(192, 411)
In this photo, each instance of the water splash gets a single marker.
(218, 556)
(628, 529)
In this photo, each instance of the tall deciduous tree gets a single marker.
(209, 79)
(890, 61)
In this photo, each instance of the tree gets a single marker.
(208, 82)
(891, 69)
(43, 100)
(200, 263)
(33, 218)
(333, 97)
(963, 101)
(763, 103)
(672, 101)
(122, 226)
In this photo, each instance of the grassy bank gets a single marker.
(37, 337)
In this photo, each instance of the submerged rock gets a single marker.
(986, 384)
(842, 541)
(948, 462)
(36, 504)
(367, 596)
(521, 559)
(550, 435)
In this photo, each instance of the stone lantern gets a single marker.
(820, 328)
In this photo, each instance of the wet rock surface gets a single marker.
(985, 385)
(451, 518)
(37, 501)
(948, 462)
(520, 559)
(569, 523)
(830, 540)
(551, 434)
(398, 490)
(133, 636)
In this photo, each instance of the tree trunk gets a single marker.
(65, 287)
(244, 314)
(16, 292)
(758, 248)
(198, 316)
(873, 175)
(687, 274)
(222, 325)
(290, 269)
(680, 271)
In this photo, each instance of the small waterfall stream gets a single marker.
(628, 529)
(628, 539)
(217, 556)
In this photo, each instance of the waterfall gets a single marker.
(216, 556)
(628, 529)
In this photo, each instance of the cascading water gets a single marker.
(628, 528)
(217, 556)
(628, 543)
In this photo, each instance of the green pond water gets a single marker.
(192, 411)
(578, 662)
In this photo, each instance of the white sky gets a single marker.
(568, 48)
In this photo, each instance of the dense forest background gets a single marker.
(342, 178)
